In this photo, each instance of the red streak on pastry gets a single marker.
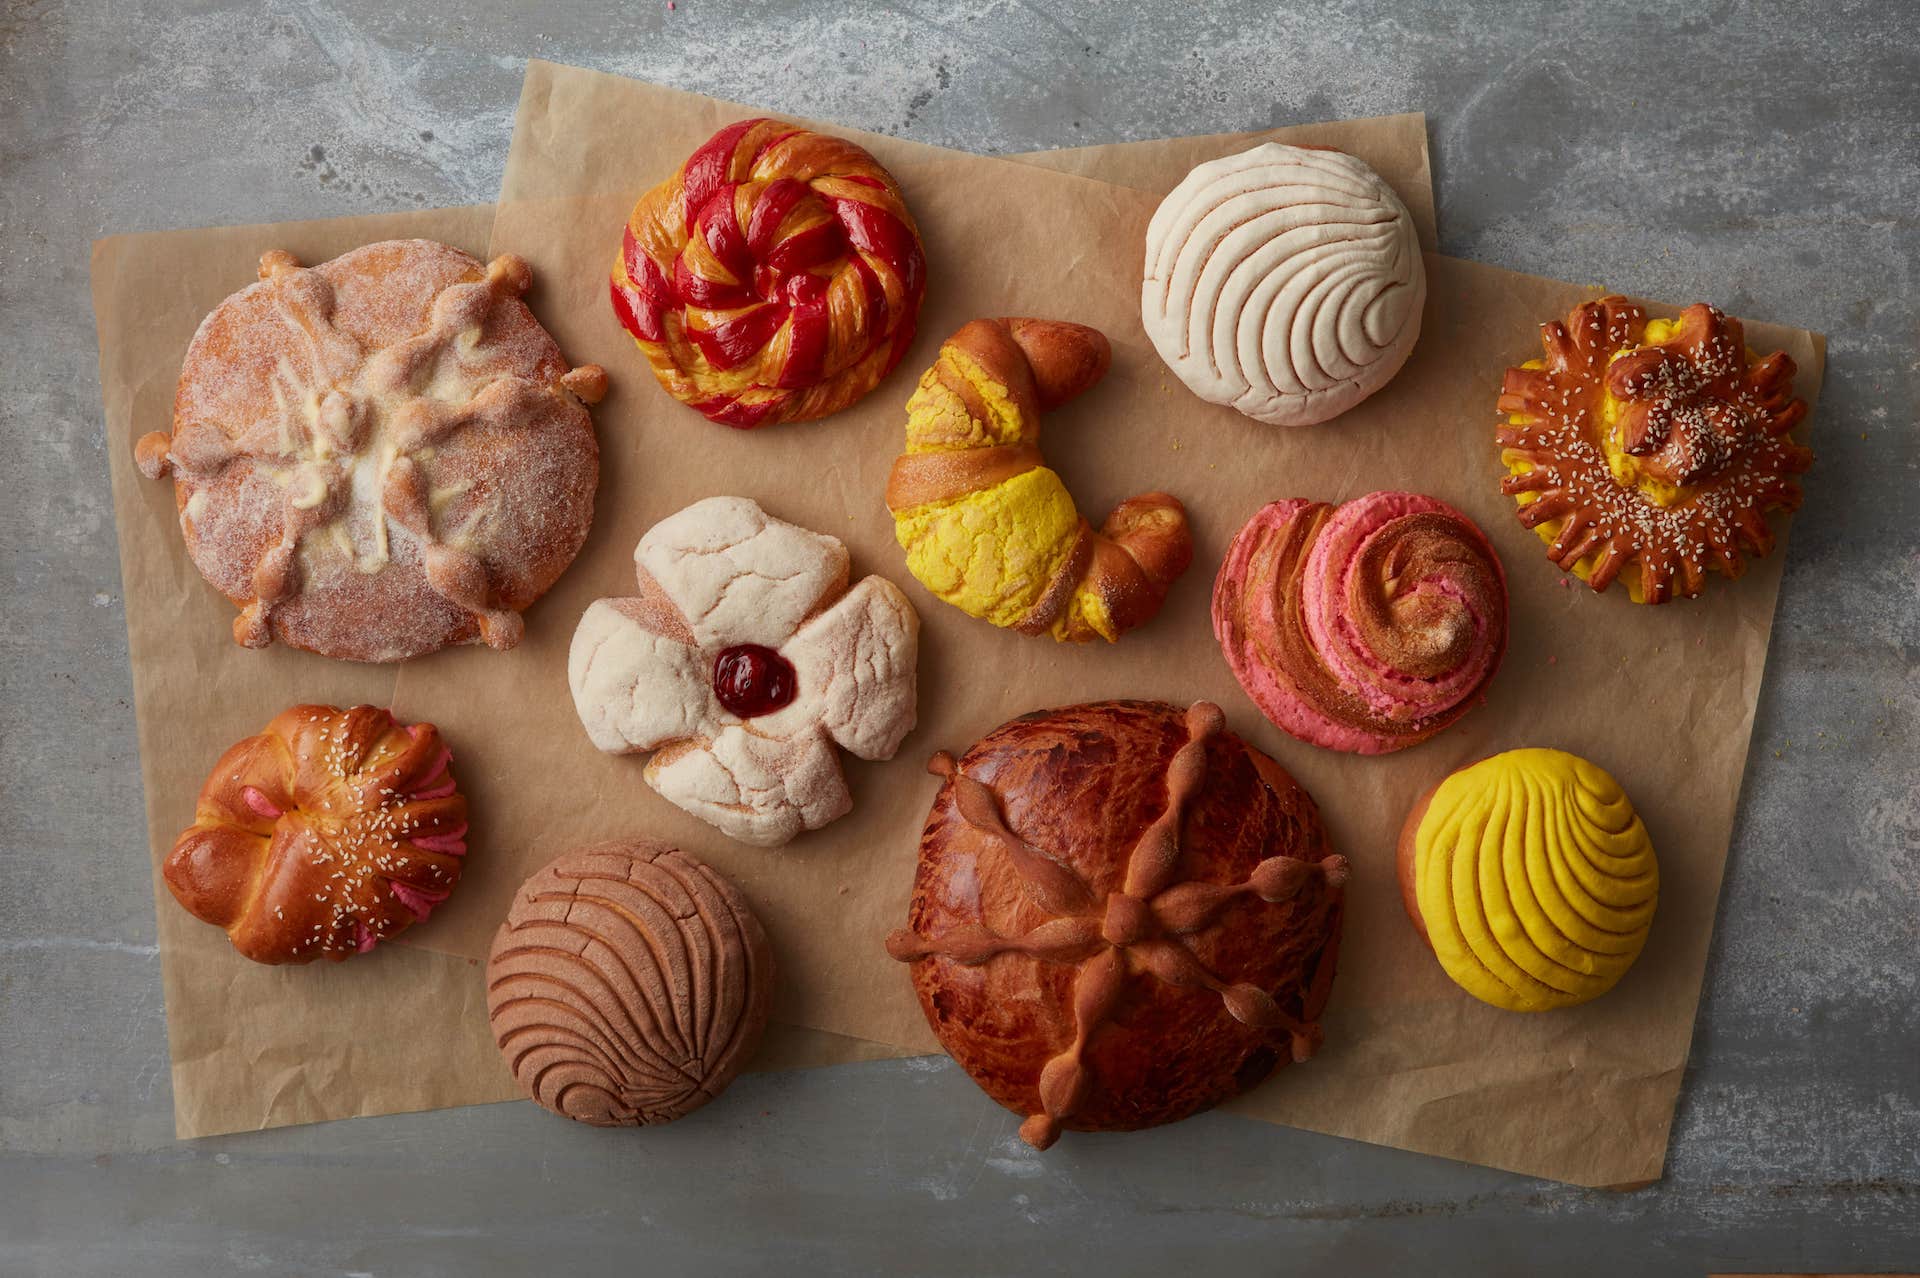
(1366, 627)
(328, 832)
(776, 277)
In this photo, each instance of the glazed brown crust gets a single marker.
(1697, 412)
(1009, 969)
(382, 454)
(628, 985)
(328, 832)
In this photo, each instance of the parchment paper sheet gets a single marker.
(1584, 1096)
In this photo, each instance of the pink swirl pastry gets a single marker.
(1366, 627)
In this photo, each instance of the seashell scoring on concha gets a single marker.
(1532, 877)
(628, 984)
(1285, 282)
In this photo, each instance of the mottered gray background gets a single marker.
(1765, 157)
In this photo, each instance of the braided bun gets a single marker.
(327, 833)
(988, 527)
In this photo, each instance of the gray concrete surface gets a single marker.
(1764, 157)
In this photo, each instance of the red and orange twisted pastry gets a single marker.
(1657, 444)
(776, 277)
(330, 831)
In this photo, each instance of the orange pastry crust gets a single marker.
(1123, 914)
(777, 276)
(1651, 451)
(330, 831)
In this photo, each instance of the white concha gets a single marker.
(1284, 282)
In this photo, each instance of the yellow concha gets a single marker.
(992, 553)
(1535, 879)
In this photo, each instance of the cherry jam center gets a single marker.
(750, 680)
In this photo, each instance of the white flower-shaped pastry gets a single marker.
(741, 664)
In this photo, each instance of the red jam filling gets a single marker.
(752, 680)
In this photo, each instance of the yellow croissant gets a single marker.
(988, 527)
(1532, 878)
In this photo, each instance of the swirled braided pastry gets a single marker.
(988, 527)
(1532, 878)
(1365, 627)
(776, 277)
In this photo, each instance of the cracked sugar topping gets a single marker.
(382, 454)
(1653, 450)
(742, 663)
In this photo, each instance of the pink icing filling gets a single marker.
(449, 842)
(417, 899)
(1342, 545)
(259, 802)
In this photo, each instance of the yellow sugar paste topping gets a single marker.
(1535, 879)
(993, 552)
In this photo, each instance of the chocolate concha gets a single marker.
(628, 985)
(1123, 915)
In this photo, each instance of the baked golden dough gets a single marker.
(988, 527)
(380, 455)
(330, 831)
(1651, 450)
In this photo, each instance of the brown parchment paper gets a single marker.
(1662, 697)
(256, 1046)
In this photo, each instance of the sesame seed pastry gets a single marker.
(988, 526)
(381, 455)
(628, 984)
(777, 276)
(1123, 915)
(1366, 627)
(1651, 450)
(1285, 282)
(742, 663)
(329, 832)
(1531, 877)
